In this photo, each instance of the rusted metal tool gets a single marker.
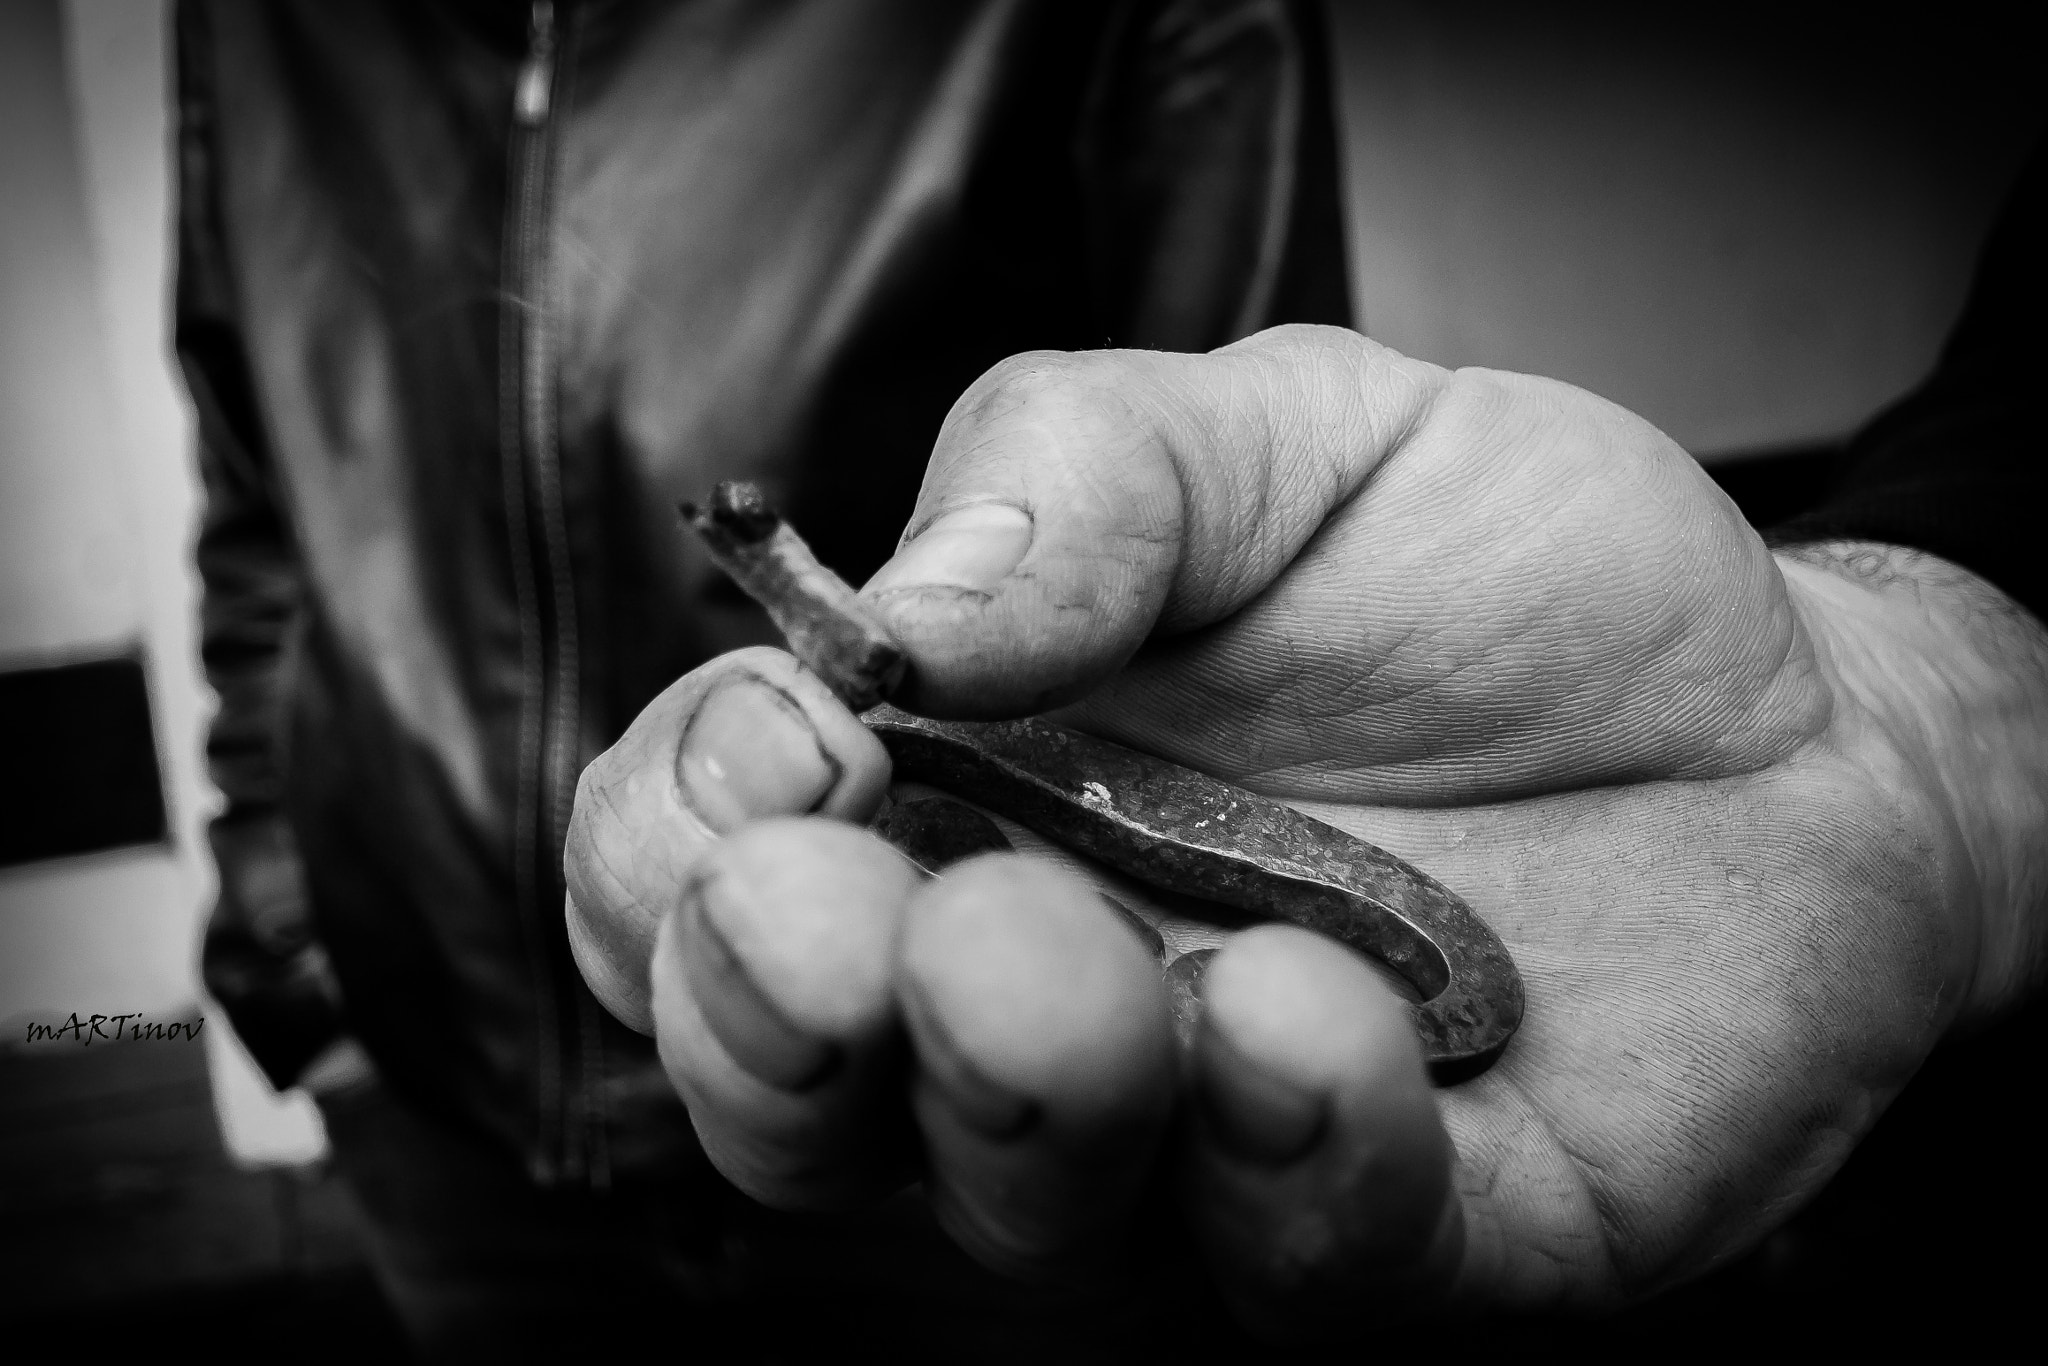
(1169, 827)
(1187, 833)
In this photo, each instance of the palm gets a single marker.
(1663, 1093)
(1592, 611)
(1692, 970)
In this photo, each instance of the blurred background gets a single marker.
(1755, 233)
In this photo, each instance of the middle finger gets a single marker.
(1045, 1062)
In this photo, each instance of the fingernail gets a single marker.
(970, 549)
(759, 1037)
(990, 1109)
(1253, 1114)
(750, 752)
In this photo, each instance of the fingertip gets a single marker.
(1038, 979)
(1041, 640)
(1304, 1007)
(1044, 544)
(766, 738)
(611, 916)
(616, 972)
(1044, 1064)
(809, 912)
(1293, 1026)
(773, 999)
(1301, 1048)
(1318, 1169)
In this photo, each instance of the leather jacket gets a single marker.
(470, 294)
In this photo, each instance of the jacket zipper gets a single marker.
(569, 1139)
(533, 95)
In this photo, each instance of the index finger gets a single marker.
(750, 735)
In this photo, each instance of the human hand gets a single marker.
(1756, 830)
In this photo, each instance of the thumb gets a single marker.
(1077, 502)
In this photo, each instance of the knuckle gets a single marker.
(1032, 378)
(1074, 403)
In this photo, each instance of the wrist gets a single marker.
(1940, 667)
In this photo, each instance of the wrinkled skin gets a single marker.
(1713, 800)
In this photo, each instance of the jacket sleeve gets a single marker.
(1959, 466)
(1208, 163)
(259, 960)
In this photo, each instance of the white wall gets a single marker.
(91, 508)
(97, 500)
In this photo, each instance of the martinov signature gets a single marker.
(129, 1028)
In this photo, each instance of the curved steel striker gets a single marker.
(1187, 833)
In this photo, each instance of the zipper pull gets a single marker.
(537, 73)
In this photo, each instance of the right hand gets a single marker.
(1707, 796)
